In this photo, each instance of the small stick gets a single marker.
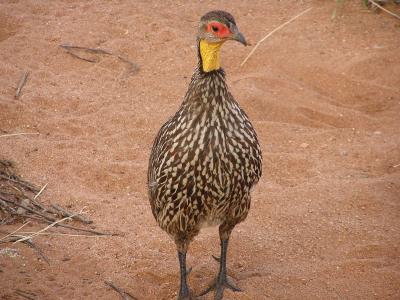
(68, 48)
(80, 57)
(14, 238)
(62, 234)
(272, 32)
(38, 250)
(124, 295)
(21, 84)
(41, 190)
(51, 220)
(29, 209)
(384, 9)
(133, 67)
(94, 50)
(88, 230)
(37, 204)
(44, 229)
(97, 233)
(26, 295)
(15, 231)
(21, 182)
(66, 213)
(16, 134)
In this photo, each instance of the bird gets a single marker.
(206, 158)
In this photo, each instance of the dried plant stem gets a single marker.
(62, 234)
(15, 231)
(66, 213)
(124, 295)
(21, 84)
(384, 9)
(26, 295)
(19, 199)
(133, 68)
(97, 233)
(29, 209)
(52, 220)
(38, 250)
(24, 183)
(21, 133)
(271, 33)
(47, 227)
(41, 190)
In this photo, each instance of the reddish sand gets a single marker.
(323, 94)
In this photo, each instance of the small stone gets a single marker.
(304, 145)
(10, 252)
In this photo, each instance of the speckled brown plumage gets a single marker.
(204, 161)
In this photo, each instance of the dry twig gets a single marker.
(62, 234)
(97, 233)
(124, 295)
(46, 228)
(41, 191)
(21, 133)
(133, 68)
(19, 199)
(15, 231)
(26, 295)
(271, 33)
(21, 84)
(384, 9)
(66, 213)
(12, 237)
(51, 220)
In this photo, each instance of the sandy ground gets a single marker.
(323, 94)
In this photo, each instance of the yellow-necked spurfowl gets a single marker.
(206, 158)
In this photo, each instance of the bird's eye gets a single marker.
(214, 28)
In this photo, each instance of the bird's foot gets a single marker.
(219, 285)
(188, 296)
(216, 258)
(185, 292)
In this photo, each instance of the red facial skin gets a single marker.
(221, 32)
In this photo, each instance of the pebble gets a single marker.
(304, 145)
(10, 252)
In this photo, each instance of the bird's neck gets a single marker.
(209, 55)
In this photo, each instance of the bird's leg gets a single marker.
(184, 291)
(222, 281)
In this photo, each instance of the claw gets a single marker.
(184, 291)
(219, 285)
(188, 297)
(221, 282)
(188, 271)
(218, 259)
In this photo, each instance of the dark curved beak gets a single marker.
(238, 36)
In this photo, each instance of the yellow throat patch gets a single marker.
(210, 55)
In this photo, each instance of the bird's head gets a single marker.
(215, 28)
(218, 26)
